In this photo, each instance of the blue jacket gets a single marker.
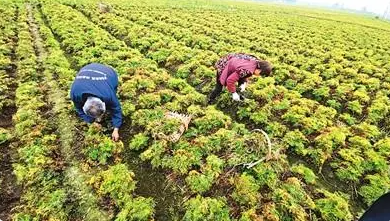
(100, 81)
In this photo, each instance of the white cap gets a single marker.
(94, 107)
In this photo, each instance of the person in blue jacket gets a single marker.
(94, 91)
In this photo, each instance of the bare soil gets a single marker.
(9, 191)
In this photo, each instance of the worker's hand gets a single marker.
(115, 134)
(236, 96)
(242, 87)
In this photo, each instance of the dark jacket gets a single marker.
(100, 81)
(379, 210)
(235, 67)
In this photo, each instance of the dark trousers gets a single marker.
(218, 88)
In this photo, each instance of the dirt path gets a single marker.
(9, 190)
(85, 204)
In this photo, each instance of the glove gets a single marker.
(242, 87)
(236, 97)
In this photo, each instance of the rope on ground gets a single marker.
(269, 155)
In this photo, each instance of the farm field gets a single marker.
(310, 142)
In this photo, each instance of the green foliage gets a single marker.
(383, 147)
(316, 88)
(246, 111)
(143, 117)
(355, 107)
(53, 203)
(249, 215)
(206, 208)
(212, 121)
(266, 175)
(375, 162)
(246, 190)
(377, 185)
(195, 110)
(5, 135)
(167, 95)
(139, 142)
(154, 151)
(182, 160)
(350, 166)
(101, 149)
(296, 140)
(331, 139)
(359, 142)
(321, 93)
(378, 109)
(128, 109)
(201, 182)
(149, 100)
(136, 209)
(367, 130)
(309, 116)
(137, 83)
(291, 200)
(276, 129)
(215, 142)
(261, 117)
(164, 127)
(334, 104)
(177, 84)
(347, 118)
(117, 182)
(333, 207)
(307, 174)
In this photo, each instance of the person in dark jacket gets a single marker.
(94, 91)
(237, 67)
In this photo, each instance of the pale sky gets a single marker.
(376, 6)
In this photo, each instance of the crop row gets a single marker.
(8, 41)
(254, 9)
(96, 173)
(273, 38)
(39, 167)
(325, 67)
(344, 83)
(58, 75)
(304, 126)
(212, 146)
(358, 91)
(7, 35)
(354, 97)
(56, 183)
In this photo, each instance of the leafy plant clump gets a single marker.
(333, 207)
(100, 148)
(5, 135)
(118, 183)
(206, 208)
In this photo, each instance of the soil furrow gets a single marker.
(80, 194)
(9, 190)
